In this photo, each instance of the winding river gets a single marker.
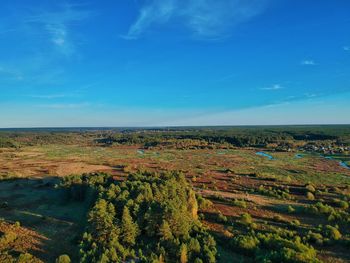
(270, 157)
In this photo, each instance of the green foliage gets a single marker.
(183, 253)
(221, 218)
(341, 204)
(149, 218)
(280, 249)
(8, 143)
(290, 209)
(203, 203)
(332, 232)
(310, 188)
(295, 222)
(79, 187)
(246, 244)
(246, 219)
(274, 247)
(316, 238)
(26, 258)
(129, 229)
(7, 257)
(63, 259)
(332, 214)
(7, 238)
(239, 203)
(310, 196)
(191, 138)
(278, 192)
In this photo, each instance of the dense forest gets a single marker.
(177, 137)
(147, 218)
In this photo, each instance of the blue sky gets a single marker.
(174, 62)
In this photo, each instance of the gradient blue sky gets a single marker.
(174, 62)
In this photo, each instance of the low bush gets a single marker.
(246, 219)
(310, 188)
(203, 203)
(310, 196)
(273, 247)
(332, 232)
(246, 244)
(278, 192)
(63, 259)
(290, 209)
(221, 218)
(239, 203)
(341, 204)
(331, 213)
(316, 238)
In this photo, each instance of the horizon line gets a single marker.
(165, 126)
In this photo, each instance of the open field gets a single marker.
(279, 194)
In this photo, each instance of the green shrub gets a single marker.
(332, 232)
(316, 238)
(246, 244)
(63, 259)
(310, 196)
(295, 222)
(279, 218)
(7, 238)
(221, 218)
(239, 203)
(27, 258)
(333, 214)
(279, 249)
(341, 204)
(290, 209)
(278, 192)
(310, 188)
(246, 219)
(203, 203)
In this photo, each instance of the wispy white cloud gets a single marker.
(308, 62)
(273, 87)
(208, 19)
(57, 26)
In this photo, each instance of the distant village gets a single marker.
(325, 149)
(313, 147)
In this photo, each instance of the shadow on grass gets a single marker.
(38, 204)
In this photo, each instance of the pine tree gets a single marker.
(192, 204)
(129, 229)
(165, 231)
(183, 254)
(102, 217)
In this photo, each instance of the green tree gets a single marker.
(165, 231)
(102, 218)
(183, 254)
(129, 229)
